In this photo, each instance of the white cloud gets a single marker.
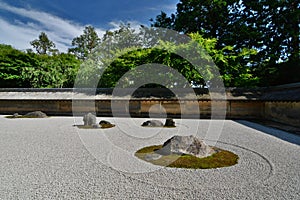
(19, 34)
(15, 35)
(29, 23)
(168, 8)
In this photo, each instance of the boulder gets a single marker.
(170, 122)
(106, 124)
(16, 115)
(89, 119)
(186, 145)
(36, 114)
(103, 122)
(153, 123)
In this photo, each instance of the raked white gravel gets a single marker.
(52, 159)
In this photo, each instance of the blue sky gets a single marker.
(21, 21)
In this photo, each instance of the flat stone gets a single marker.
(153, 123)
(37, 114)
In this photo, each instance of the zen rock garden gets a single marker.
(178, 151)
(168, 161)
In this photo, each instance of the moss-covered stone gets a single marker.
(222, 158)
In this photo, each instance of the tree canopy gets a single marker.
(271, 27)
(85, 43)
(27, 69)
(43, 45)
(117, 56)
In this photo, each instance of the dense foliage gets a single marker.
(271, 27)
(252, 43)
(128, 49)
(20, 69)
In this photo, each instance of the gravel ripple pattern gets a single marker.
(52, 159)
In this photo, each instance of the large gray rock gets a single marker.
(36, 114)
(170, 122)
(89, 119)
(153, 123)
(186, 145)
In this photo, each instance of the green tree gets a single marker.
(163, 21)
(227, 62)
(12, 62)
(271, 27)
(55, 71)
(120, 59)
(278, 23)
(211, 18)
(43, 45)
(85, 43)
(112, 44)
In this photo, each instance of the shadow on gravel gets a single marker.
(286, 136)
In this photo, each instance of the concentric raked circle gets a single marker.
(252, 168)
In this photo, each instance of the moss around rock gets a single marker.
(95, 126)
(222, 158)
(190, 145)
(102, 125)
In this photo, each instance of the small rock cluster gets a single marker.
(90, 120)
(156, 123)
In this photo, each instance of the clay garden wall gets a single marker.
(281, 103)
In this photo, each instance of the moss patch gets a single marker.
(106, 126)
(222, 158)
(159, 126)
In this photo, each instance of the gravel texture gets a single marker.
(52, 159)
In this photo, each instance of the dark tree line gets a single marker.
(269, 26)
